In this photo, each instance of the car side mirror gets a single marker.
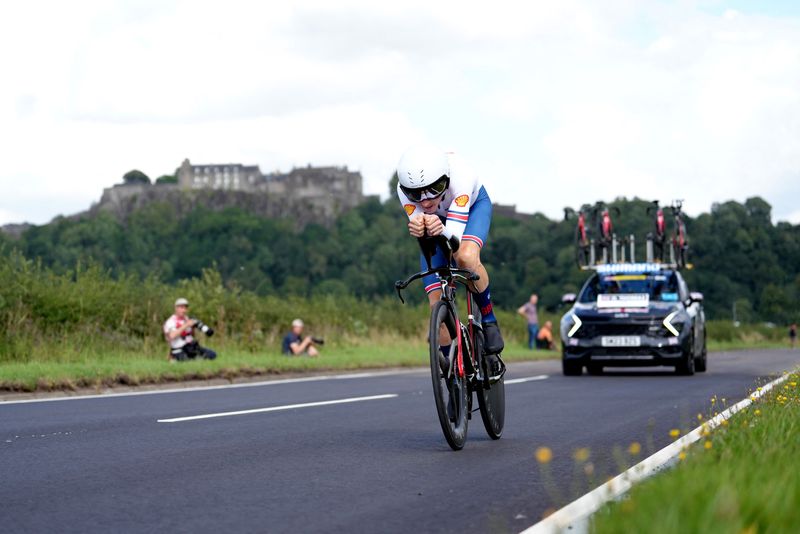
(696, 296)
(568, 298)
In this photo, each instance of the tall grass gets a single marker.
(742, 477)
(86, 312)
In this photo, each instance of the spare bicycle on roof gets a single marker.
(596, 242)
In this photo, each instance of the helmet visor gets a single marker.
(436, 189)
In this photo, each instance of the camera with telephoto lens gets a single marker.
(318, 340)
(203, 327)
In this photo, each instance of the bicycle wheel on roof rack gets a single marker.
(450, 391)
(581, 249)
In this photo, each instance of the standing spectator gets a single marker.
(294, 344)
(528, 310)
(544, 339)
(793, 335)
(179, 332)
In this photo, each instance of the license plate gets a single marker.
(620, 341)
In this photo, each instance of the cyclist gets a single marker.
(443, 196)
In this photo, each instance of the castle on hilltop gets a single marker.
(302, 182)
(305, 194)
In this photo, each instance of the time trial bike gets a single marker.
(680, 243)
(582, 241)
(659, 235)
(466, 370)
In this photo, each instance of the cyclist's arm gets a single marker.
(412, 209)
(464, 185)
(458, 214)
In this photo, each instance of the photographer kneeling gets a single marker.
(294, 344)
(179, 331)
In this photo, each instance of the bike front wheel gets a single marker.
(450, 391)
(491, 397)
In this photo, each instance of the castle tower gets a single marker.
(185, 175)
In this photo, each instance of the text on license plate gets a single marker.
(621, 341)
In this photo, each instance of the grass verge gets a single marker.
(742, 478)
(124, 368)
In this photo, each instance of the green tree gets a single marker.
(135, 176)
(167, 179)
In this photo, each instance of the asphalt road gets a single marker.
(374, 465)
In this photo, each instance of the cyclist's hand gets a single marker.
(416, 226)
(434, 225)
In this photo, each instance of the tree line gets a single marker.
(741, 259)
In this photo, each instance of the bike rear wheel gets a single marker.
(450, 391)
(491, 397)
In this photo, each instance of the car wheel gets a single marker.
(571, 368)
(687, 365)
(594, 369)
(700, 363)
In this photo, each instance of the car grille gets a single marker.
(590, 330)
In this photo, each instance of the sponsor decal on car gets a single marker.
(623, 300)
(410, 208)
(462, 201)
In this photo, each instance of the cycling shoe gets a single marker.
(494, 340)
(495, 366)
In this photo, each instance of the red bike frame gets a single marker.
(582, 227)
(606, 226)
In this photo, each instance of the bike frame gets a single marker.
(679, 237)
(449, 276)
(582, 227)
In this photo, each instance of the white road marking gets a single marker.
(221, 386)
(575, 516)
(277, 408)
(526, 379)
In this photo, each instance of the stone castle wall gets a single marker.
(305, 195)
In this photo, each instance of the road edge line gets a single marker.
(235, 385)
(583, 507)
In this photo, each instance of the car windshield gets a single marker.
(660, 287)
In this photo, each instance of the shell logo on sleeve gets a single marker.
(462, 201)
(409, 208)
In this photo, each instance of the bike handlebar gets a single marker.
(460, 275)
(428, 246)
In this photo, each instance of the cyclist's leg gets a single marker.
(469, 257)
(432, 286)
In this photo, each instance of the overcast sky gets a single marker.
(555, 104)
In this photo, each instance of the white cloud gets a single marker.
(555, 104)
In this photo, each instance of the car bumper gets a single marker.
(652, 351)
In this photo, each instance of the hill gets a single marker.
(741, 258)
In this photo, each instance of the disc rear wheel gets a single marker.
(449, 389)
(491, 397)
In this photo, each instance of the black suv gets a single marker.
(634, 315)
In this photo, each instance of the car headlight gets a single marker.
(576, 324)
(672, 325)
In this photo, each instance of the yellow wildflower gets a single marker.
(682, 455)
(635, 448)
(581, 455)
(544, 455)
(707, 445)
(674, 433)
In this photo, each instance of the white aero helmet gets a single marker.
(423, 172)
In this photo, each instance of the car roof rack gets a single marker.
(623, 253)
(630, 267)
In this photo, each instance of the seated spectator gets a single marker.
(295, 344)
(179, 332)
(544, 339)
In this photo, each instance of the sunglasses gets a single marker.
(434, 190)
